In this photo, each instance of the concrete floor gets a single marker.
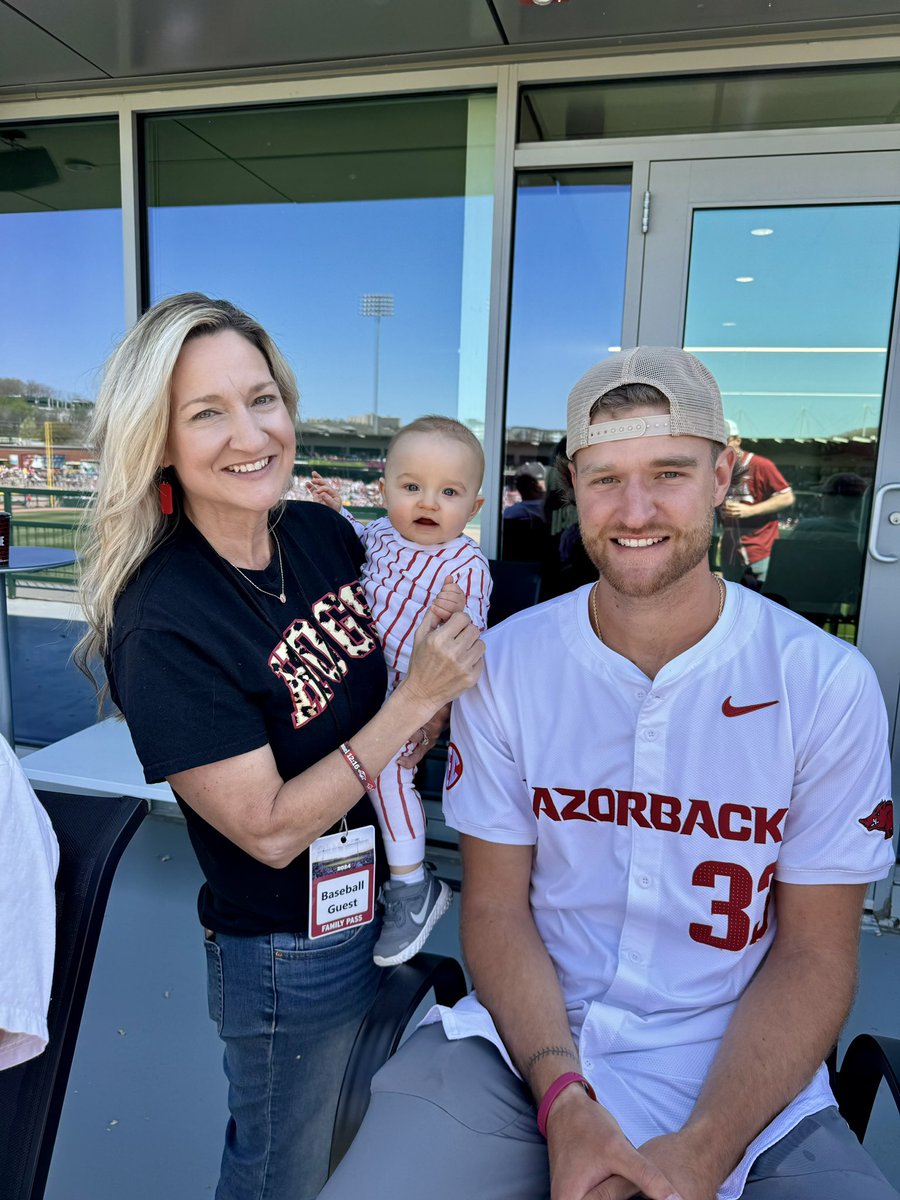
(145, 1110)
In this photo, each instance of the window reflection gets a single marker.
(359, 234)
(567, 301)
(791, 308)
(691, 104)
(61, 307)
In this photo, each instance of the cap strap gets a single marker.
(630, 427)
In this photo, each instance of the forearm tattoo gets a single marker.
(550, 1051)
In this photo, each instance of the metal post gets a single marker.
(377, 364)
(377, 305)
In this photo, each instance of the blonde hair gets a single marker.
(129, 430)
(446, 427)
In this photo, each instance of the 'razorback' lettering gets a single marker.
(668, 814)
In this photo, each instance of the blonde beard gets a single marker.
(689, 547)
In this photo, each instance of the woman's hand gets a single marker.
(446, 660)
(418, 746)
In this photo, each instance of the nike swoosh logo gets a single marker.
(741, 710)
(419, 917)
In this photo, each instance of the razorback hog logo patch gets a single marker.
(880, 819)
(454, 767)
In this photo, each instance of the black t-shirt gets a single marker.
(205, 667)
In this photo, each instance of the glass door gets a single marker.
(568, 294)
(781, 275)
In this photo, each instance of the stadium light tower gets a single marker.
(377, 305)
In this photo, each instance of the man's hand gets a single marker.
(688, 1163)
(591, 1159)
(762, 508)
(325, 491)
(738, 509)
(450, 599)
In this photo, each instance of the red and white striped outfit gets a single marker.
(401, 579)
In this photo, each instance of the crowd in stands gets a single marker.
(20, 477)
(356, 493)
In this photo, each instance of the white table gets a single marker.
(21, 559)
(102, 760)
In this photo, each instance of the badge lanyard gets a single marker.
(341, 880)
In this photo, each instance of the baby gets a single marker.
(415, 556)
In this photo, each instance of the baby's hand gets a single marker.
(450, 599)
(325, 492)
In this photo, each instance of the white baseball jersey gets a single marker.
(401, 579)
(661, 811)
(29, 856)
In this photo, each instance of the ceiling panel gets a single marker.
(86, 157)
(70, 40)
(28, 55)
(625, 21)
(130, 38)
(312, 153)
(333, 127)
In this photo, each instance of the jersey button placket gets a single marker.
(646, 867)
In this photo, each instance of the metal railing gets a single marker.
(23, 503)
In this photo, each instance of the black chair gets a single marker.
(817, 578)
(525, 539)
(868, 1060)
(517, 585)
(92, 831)
(400, 992)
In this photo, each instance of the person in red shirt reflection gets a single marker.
(749, 515)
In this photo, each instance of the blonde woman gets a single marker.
(237, 644)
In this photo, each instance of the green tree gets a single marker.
(29, 429)
(13, 411)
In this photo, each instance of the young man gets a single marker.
(665, 789)
(750, 512)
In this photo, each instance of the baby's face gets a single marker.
(430, 487)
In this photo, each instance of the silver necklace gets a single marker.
(275, 595)
(596, 615)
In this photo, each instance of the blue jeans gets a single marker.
(287, 1009)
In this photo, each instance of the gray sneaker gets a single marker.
(411, 911)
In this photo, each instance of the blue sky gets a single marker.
(302, 269)
(824, 277)
(61, 305)
(567, 293)
(817, 297)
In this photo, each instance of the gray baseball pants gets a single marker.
(448, 1119)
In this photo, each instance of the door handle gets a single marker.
(876, 520)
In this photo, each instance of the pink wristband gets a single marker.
(550, 1096)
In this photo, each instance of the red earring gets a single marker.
(166, 506)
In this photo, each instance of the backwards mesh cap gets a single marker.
(695, 402)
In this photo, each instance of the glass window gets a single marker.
(61, 311)
(61, 306)
(791, 309)
(568, 293)
(359, 234)
(710, 104)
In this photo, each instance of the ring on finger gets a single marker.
(426, 740)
